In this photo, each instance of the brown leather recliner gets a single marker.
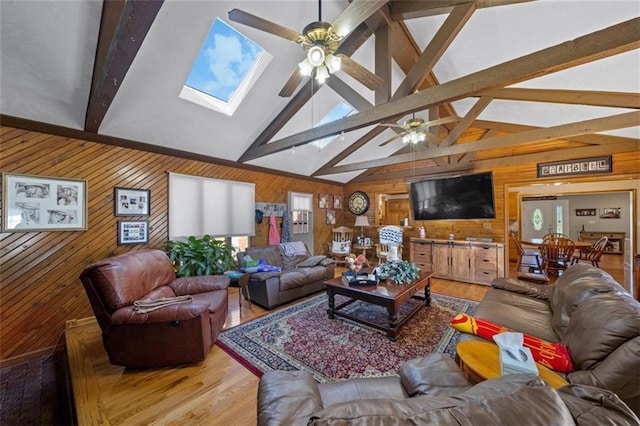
(175, 334)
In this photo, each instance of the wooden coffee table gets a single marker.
(386, 294)
(481, 361)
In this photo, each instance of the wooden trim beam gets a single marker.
(466, 121)
(411, 9)
(123, 28)
(610, 41)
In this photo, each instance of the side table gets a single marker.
(481, 361)
(242, 279)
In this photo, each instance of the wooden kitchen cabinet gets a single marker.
(475, 262)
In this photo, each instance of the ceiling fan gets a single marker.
(415, 129)
(321, 41)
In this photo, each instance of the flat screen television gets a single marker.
(459, 197)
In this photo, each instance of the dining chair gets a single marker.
(557, 254)
(340, 245)
(529, 253)
(593, 253)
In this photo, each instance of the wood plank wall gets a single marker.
(39, 287)
(626, 166)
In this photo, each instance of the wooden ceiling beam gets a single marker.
(411, 9)
(610, 41)
(466, 121)
(563, 131)
(589, 139)
(419, 173)
(350, 44)
(575, 97)
(435, 49)
(123, 28)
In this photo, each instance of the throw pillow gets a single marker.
(311, 261)
(341, 247)
(552, 355)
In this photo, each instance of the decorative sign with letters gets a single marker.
(582, 166)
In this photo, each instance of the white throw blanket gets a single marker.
(145, 306)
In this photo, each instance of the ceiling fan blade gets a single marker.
(256, 22)
(355, 14)
(360, 73)
(439, 121)
(292, 84)
(392, 138)
(391, 125)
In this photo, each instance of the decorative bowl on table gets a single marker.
(361, 278)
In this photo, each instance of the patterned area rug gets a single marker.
(302, 337)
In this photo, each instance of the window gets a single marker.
(340, 111)
(220, 208)
(227, 66)
(301, 207)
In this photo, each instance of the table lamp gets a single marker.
(362, 221)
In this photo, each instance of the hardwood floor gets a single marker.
(218, 391)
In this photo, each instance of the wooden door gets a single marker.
(461, 262)
(397, 210)
(441, 255)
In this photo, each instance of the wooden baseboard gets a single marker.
(30, 355)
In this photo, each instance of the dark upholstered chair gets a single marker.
(175, 334)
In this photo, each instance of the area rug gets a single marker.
(302, 337)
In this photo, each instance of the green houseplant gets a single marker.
(400, 271)
(200, 256)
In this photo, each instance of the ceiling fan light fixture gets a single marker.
(322, 74)
(333, 63)
(305, 67)
(316, 55)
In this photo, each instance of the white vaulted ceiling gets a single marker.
(48, 54)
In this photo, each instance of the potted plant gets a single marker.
(400, 271)
(200, 256)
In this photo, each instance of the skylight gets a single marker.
(339, 111)
(227, 66)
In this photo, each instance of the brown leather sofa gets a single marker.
(175, 334)
(586, 310)
(432, 390)
(300, 275)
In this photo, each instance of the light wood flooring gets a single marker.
(218, 391)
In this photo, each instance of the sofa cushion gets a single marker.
(599, 325)
(271, 254)
(539, 291)
(311, 261)
(518, 312)
(587, 282)
(123, 279)
(293, 278)
(490, 402)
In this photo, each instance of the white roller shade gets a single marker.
(220, 208)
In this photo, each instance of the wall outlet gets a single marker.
(486, 225)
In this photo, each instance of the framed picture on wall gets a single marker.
(337, 201)
(331, 217)
(131, 202)
(610, 213)
(40, 203)
(133, 232)
(323, 201)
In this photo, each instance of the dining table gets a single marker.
(579, 245)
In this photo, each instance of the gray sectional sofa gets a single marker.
(300, 274)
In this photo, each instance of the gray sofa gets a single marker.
(433, 390)
(300, 275)
(587, 311)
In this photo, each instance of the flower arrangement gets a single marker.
(355, 263)
(400, 271)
